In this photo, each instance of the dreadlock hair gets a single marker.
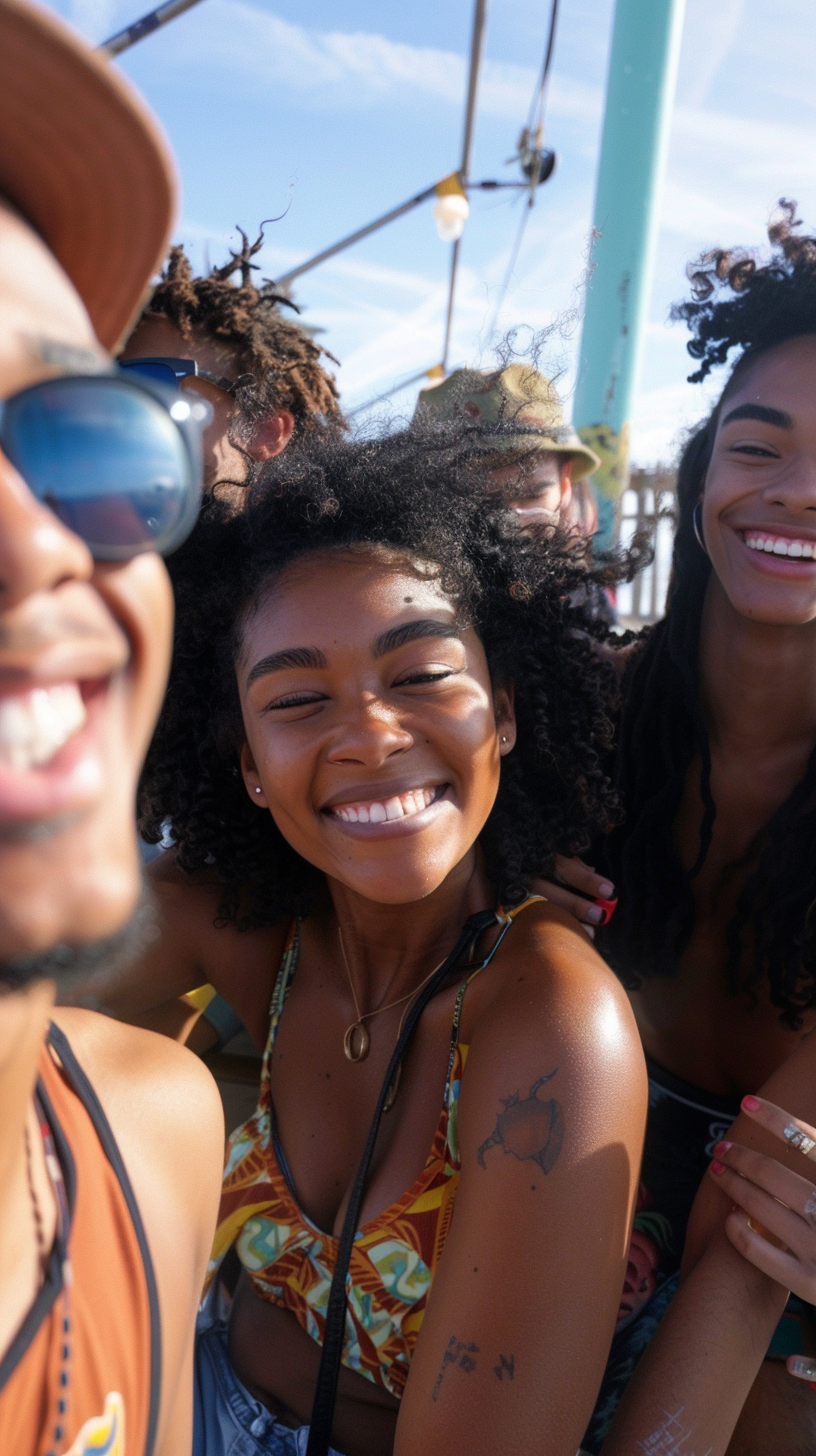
(281, 357)
(406, 499)
(736, 303)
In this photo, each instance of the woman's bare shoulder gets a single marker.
(190, 909)
(555, 1017)
(550, 948)
(551, 983)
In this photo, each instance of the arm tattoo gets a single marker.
(459, 1352)
(670, 1439)
(528, 1128)
(506, 1366)
(463, 1354)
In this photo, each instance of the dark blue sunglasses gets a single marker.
(172, 371)
(117, 459)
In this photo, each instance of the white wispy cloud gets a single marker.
(352, 68)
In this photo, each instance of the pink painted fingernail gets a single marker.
(716, 1167)
(751, 1104)
(721, 1148)
(606, 890)
(595, 913)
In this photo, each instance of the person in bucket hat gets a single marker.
(516, 418)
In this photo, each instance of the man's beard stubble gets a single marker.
(84, 973)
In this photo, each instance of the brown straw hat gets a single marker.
(84, 161)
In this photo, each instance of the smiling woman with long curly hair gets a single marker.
(385, 714)
(714, 859)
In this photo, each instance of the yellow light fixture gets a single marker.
(451, 209)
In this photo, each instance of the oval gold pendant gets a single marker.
(356, 1042)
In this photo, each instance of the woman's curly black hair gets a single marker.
(737, 304)
(400, 494)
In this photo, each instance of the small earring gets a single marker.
(697, 522)
(257, 791)
(504, 740)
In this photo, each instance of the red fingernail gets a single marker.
(751, 1104)
(721, 1148)
(717, 1167)
(607, 906)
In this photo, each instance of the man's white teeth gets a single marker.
(35, 724)
(781, 546)
(399, 807)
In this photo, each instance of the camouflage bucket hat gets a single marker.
(511, 411)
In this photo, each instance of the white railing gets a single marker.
(650, 500)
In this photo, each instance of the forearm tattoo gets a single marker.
(505, 1367)
(528, 1127)
(463, 1354)
(459, 1352)
(670, 1439)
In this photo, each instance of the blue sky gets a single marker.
(332, 113)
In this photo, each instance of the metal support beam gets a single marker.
(640, 91)
(363, 232)
(394, 389)
(154, 20)
(379, 222)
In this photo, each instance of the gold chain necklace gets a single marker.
(357, 1042)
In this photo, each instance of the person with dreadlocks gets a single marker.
(384, 715)
(262, 378)
(228, 341)
(715, 858)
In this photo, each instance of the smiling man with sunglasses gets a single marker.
(109, 1136)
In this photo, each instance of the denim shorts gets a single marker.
(227, 1420)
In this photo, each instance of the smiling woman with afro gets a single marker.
(386, 714)
(422, 500)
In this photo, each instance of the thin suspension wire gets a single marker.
(535, 116)
(535, 131)
(513, 259)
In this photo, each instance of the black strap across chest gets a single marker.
(332, 1352)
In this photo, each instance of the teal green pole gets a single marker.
(639, 96)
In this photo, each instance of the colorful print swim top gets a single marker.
(291, 1261)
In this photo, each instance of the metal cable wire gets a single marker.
(535, 117)
(514, 252)
(535, 127)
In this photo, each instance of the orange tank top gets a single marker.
(109, 1385)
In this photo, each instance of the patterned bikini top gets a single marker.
(394, 1258)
